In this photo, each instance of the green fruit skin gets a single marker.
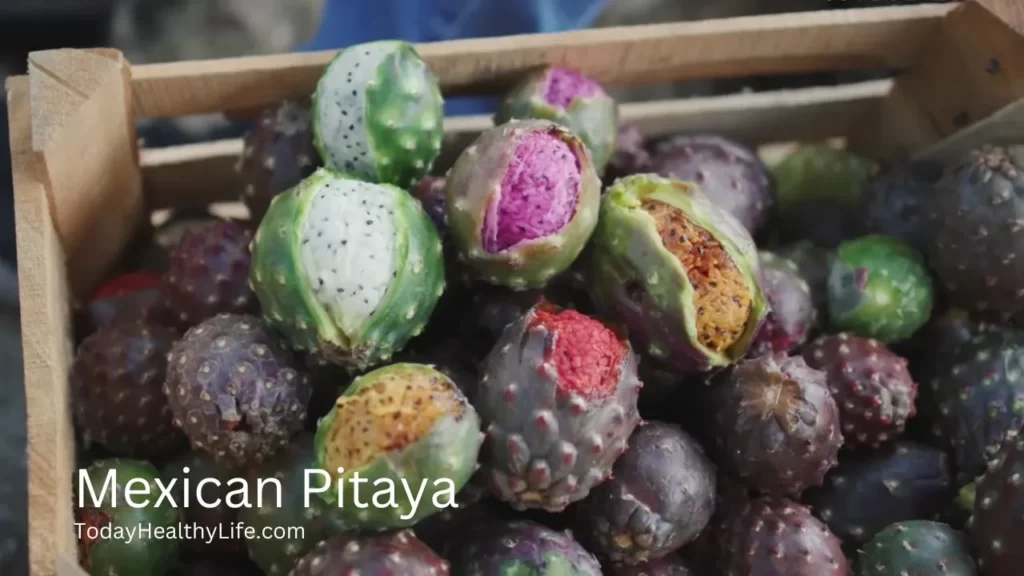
(276, 557)
(819, 172)
(404, 119)
(141, 556)
(289, 304)
(626, 249)
(448, 450)
(917, 548)
(895, 299)
(595, 119)
(477, 172)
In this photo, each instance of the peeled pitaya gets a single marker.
(522, 201)
(678, 271)
(378, 114)
(346, 268)
(557, 397)
(566, 96)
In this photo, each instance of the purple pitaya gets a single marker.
(524, 547)
(631, 155)
(430, 191)
(557, 397)
(665, 566)
(997, 526)
(791, 314)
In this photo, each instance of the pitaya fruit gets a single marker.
(524, 547)
(917, 548)
(447, 530)
(705, 553)
(116, 385)
(234, 390)
(348, 269)
(980, 398)
(791, 312)
(631, 155)
(730, 174)
(870, 384)
(298, 509)
(814, 264)
(998, 521)
(208, 274)
(818, 190)
(775, 536)
(131, 505)
(195, 479)
(867, 492)
(557, 397)
(401, 425)
(430, 191)
(666, 566)
(278, 153)
(977, 221)
(378, 114)
(521, 202)
(489, 311)
(777, 425)
(568, 97)
(394, 554)
(894, 202)
(660, 497)
(679, 272)
(127, 297)
(879, 287)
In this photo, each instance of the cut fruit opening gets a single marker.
(563, 85)
(722, 299)
(394, 411)
(538, 192)
(587, 355)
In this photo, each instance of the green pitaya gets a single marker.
(347, 268)
(522, 201)
(378, 114)
(407, 426)
(917, 548)
(107, 517)
(566, 96)
(679, 272)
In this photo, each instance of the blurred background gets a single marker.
(169, 30)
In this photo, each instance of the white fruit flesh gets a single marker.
(348, 249)
(341, 106)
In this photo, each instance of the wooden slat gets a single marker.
(195, 175)
(826, 40)
(45, 334)
(1003, 127)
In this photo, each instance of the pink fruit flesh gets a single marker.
(538, 193)
(586, 354)
(563, 85)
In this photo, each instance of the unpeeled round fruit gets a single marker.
(394, 554)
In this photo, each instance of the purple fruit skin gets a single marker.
(977, 232)
(448, 529)
(219, 518)
(730, 174)
(431, 193)
(392, 554)
(791, 316)
(234, 391)
(533, 427)
(871, 386)
(209, 274)
(528, 545)
(894, 202)
(116, 381)
(869, 491)
(278, 154)
(997, 526)
(667, 566)
(778, 426)
(661, 495)
(631, 155)
(777, 537)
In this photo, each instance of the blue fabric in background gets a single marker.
(347, 22)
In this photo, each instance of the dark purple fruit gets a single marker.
(631, 155)
(449, 528)
(814, 264)
(524, 547)
(997, 527)
(430, 191)
(730, 174)
(278, 154)
(391, 554)
(870, 384)
(128, 297)
(659, 498)
(668, 566)
(190, 470)
(777, 425)
(867, 492)
(209, 274)
(234, 390)
(116, 381)
(894, 202)
(791, 315)
(778, 537)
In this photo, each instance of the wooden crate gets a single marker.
(82, 184)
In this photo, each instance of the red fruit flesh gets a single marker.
(586, 354)
(538, 193)
(563, 85)
(126, 284)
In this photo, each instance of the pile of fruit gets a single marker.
(622, 356)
